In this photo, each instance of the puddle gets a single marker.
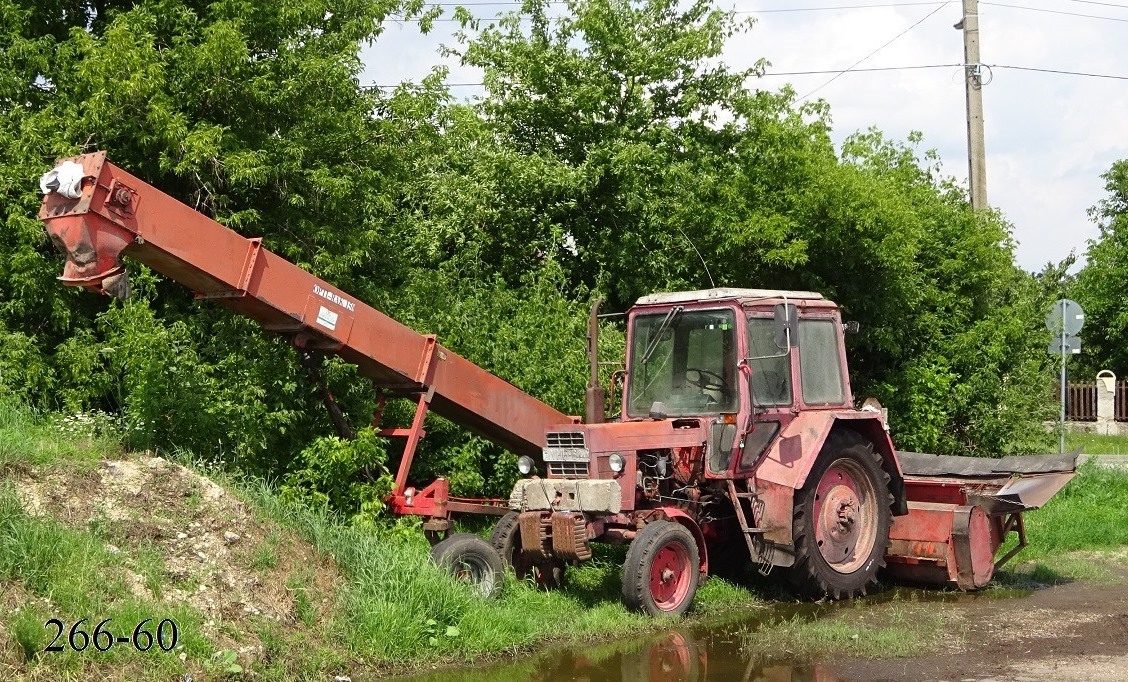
(710, 650)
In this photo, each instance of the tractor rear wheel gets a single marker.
(841, 520)
(470, 559)
(547, 573)
(662, 569)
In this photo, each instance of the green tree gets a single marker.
(249, 112)
(613, 141)
(1099, 287)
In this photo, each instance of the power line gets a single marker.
(1058, 71)
(770, 10)
(865, 70)
(914, 67)
(816, 72)
(491, 3)
(838, 7)
(1103, 4)
(1053, 11)
(887, 44)
(780, 10)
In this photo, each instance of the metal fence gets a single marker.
(1081, 401)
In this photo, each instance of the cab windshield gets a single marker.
(685, 360)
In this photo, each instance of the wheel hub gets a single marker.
(669, 576)
(845, 516)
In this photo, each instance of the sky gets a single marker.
(1049, 137)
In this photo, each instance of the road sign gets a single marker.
(1065, 319)
(1072, 346)
(1065, 316)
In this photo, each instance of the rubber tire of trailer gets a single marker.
(470, 559)
(666, 542)
(812, 575)
(547, 573)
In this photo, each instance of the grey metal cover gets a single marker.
(724, 293)
(922, 464)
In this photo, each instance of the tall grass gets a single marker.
(396, 606)
(1091, 513)
(28, 437)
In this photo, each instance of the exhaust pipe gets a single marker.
(91, 242)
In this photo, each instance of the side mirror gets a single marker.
(851, 327)
(785, 316)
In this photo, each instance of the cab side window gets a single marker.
(820, 365)
(771, 366)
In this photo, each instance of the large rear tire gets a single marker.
(470, 559)
(547, 573)
(662, 570)
(841, 520)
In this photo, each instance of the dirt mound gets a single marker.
(183, 539)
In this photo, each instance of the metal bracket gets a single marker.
(122, 199)
(1014, 522)
(245, 273)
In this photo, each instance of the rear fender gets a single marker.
(788, 462)
(870, 427)
(791, 457)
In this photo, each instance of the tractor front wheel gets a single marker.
(470, 559)
(547, 573)
(662, 569)
(841, 521)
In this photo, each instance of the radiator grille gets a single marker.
(568, 469)
(566, 454)
(566, 439)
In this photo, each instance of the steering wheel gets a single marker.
(702, 374)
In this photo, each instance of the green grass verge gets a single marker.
(69, 575)
(1067, 538)
(1096, 444)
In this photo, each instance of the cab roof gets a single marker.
(723, 293)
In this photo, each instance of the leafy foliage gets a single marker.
(612, 154)
(1099, 286)
(349, 475)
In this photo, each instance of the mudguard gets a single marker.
(784, 467)
(678, 516)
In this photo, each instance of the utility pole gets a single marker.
(973, 87)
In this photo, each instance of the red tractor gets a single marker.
(738, 440)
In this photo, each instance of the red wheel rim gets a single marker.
(669, 576)
(845, 515)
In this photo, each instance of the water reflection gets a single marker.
(675, 656)
(703, 651)
(680, 656)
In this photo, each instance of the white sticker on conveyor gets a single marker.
(327, 318)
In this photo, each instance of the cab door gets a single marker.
(771, 384)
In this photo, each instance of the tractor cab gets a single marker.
(745, 360)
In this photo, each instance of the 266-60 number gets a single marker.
(79, 639)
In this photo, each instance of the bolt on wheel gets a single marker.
(845, 514)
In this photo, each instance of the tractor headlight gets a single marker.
(617, 462)
(525, 465)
